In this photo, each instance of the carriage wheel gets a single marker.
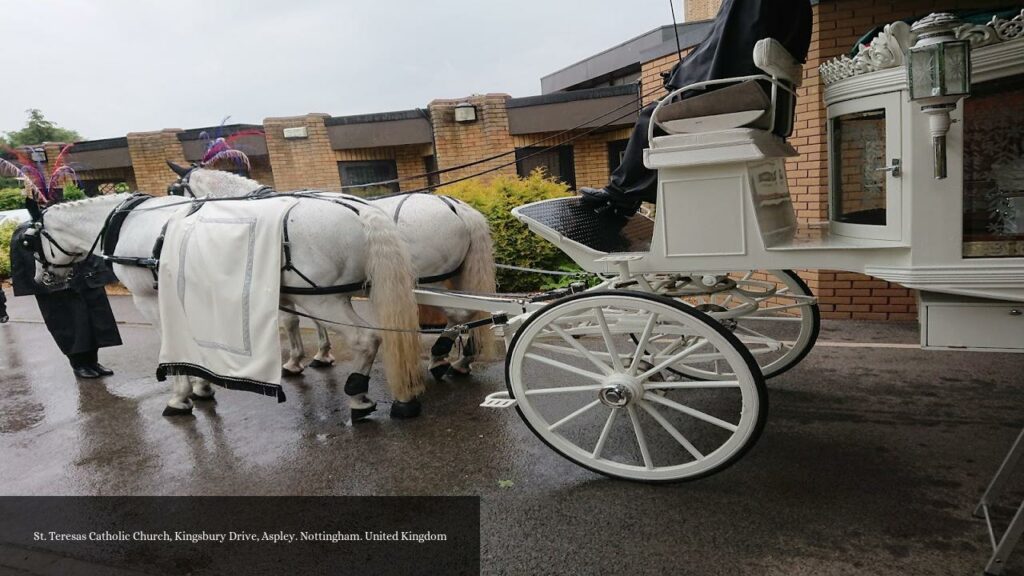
(773, 313)
(597, 397)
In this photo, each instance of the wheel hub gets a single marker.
(619, 391)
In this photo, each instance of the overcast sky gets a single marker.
(108, 67)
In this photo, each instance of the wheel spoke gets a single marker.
(604, 433)
(697, 385)
(579, 347)
(640, 440)
(563, 389)
(616, 361)
(672, 431)
(575, 414)
(691, 412)
(563, 366)
(675, 358)
(641, 346)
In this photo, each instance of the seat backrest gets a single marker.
(772, 57)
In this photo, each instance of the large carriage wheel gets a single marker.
(598, 398)
(773, 313)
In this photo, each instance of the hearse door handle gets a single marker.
(896, 168)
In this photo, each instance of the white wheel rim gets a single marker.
(767, 329)
(582, 380)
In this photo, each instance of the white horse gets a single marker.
(444, 237)
(330, 244)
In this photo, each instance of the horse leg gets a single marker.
(296, 351)
(323, 357)
(462, 365)
(439, 352)
(202, 390)
(180, 404)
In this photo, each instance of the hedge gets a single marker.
(6, 232)
(514, 243)
(11, 199)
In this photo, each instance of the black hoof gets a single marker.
(440, 370)
(320, 364)
(289, 374)
(197, 398)
(360, 414)
(403, 410)
(172, 411)
(456, 373)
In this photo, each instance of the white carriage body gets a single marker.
(724, 205)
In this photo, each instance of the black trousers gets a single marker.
(632, 179)
(83, 359)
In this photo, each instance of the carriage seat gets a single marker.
(751, 102)
(567, 220)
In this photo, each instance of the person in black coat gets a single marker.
(77, 312)
(727, 52)
(3, 307)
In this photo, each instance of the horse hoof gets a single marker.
(197, 398)
(288, 373)
(404, 410)
(439, 371)
(172, 411)
(360, 414)
(320, 364)
(459, 372)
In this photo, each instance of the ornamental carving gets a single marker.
(888, 49)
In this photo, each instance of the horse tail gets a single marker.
(477, 274)
(392, 281)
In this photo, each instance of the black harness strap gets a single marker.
(313, 289)
(115, 220)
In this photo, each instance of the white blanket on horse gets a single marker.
(220, 283)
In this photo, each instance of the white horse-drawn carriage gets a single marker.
(658, 372)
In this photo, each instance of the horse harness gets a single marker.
(111, 233)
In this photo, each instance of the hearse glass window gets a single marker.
(994, 170)
(858, 160)
(368, 172)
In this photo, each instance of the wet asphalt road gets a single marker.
(871, 463)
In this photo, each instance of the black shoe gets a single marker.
(4, 318)
(608, 203)
(85, 372)
(102, 370)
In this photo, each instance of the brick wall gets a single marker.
(460, 143)
(408, 159)
(150, 152)
(700, 9)
(262, 171)
(302, 162)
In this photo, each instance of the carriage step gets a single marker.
(498, 400)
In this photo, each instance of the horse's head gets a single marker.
(202, 182)
(66, 234)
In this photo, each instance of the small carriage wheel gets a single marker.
(794, 294)
(594, 396)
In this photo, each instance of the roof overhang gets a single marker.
(613, 106)
(193, 141)
(403, 128)
(100, 154)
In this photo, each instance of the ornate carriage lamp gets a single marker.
(939, 74)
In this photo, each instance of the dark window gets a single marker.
(557, 163)
(616, 152)
(858, 160)
(369, 172)
(103, 187)
(430, 165)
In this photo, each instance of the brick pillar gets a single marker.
(307, 162)
(695, 10)
(458, 143)
(150, 152)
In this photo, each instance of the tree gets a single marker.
(38, 130)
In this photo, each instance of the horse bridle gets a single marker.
(33, 240)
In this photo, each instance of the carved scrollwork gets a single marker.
(888, 49)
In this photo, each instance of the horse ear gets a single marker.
(181, 171)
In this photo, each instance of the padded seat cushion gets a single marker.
(743, 97)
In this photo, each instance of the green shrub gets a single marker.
(11, 199)
(6, 231)
(514, 243)
(72, 192)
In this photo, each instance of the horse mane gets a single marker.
(228, 178)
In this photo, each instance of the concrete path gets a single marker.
(872, 461)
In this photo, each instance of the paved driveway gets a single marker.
(871, 463)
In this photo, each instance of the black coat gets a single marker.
(76, 313)
(727, 51)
